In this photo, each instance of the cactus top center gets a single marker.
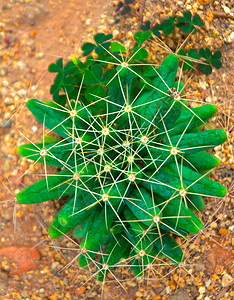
(105, 197)
(126, 144)
(141, 253)
(128, 108)
(124, 64)
(43, 152)
(76, 176)
(105, 267)
(100, 151)
(73, 113)
(105, 131)
(131, 177)
(174, 151)
(130, 159)
(83, 250)
(183, 193)
(144, 139)
(156, 219)
(78, 140)
(149, 266)
(107, 168)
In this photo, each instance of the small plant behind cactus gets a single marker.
(131, 153)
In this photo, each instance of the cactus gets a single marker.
(131, 153)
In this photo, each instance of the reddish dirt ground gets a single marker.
(33, 35)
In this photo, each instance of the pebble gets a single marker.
(34, 129)
(88, 21)
(207, 283)
(115, 33)
(230, 39)
(202, 290)
(25, 294)
(8, 214)
(131, 283)
(54, 265)
(226, 280)
(18, 85)
(6, 123)
(168, 289)
(3, 280)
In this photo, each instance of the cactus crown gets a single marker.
(131, 153)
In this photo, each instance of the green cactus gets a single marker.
(131, 157)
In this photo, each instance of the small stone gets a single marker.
(208, 99)
(139, 294)
(131, 283)
(226, 9)
(34, 129)
(3, 280)
(223, 231)
(18, 85)
(207, 283)
(8, 214)
(88, 21)
(202, 290)
(25, 294)
(2, 72)
(168, 289)
(115, 33)
(226, 280)
(180, 294)
(53, 297)
(54, 265)
(6, 123)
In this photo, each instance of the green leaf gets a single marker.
(56, 67)
(125, 10)
(192, 53)
(109, 78)
(217, 55)
(213, 59)
(98, 71)
(89, 61)
(117, 47)
(156, 29)
(197, 20)
(95, 92)
(101, 41)
(170, 248)
(94, 75)
(205, 53)
(146, 26)
(186, 23)
(139, 53)
(101, 48)
(88, 48)
(140, 36)
(168, 25)
(187, 15)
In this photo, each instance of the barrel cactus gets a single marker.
(131, 154)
